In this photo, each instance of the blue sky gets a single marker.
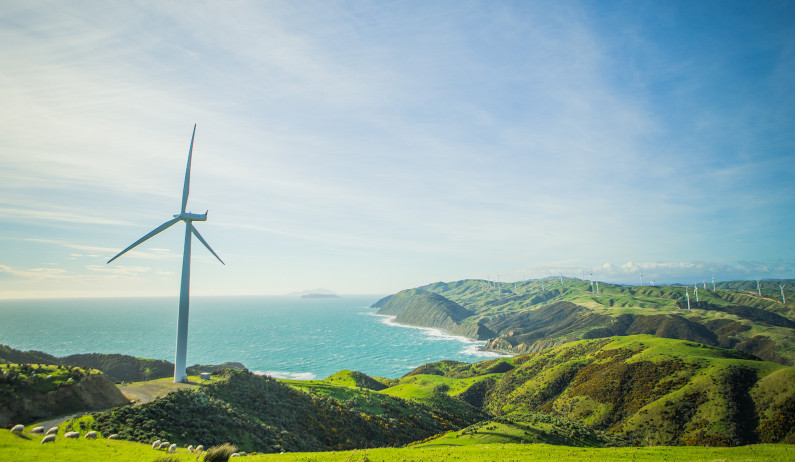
(368, 147)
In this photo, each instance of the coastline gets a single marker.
(444, 335)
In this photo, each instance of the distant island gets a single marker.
(320, 296)
(315, 293)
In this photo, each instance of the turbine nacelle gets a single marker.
(187, 216)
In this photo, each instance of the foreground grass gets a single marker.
(28, 448)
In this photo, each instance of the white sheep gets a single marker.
(38, 429)
(52, 431)
(234, 454)
(113, 437)
(18, 429)
(164, 445)
(199, 448)
(48, 439)
(190, 448)
(156, 444)
(172, 448)
(92, 435)
(71, 435)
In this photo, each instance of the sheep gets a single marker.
(172, 448)
(48, 439)
(113, 437)
(156, 444)
(92, 435)
(52, 431)
(190, 448)
(234, 454)
(72, 435)
(198, 448)
(164, 445)
(38, 429)
(18, 429)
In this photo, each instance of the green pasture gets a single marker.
(27, 447)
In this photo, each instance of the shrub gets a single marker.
(220, 453)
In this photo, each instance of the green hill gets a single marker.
(116, 367)
(32, 392)
(262, 414)
(642, 390)
(534, 315)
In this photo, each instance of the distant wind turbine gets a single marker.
(713, 282)
(783, 298)
(758, 292)
(695, 287)
(641, 279)
(688, 299)
(188, 218)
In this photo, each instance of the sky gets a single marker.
(374, 146)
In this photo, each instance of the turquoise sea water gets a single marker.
(285, 337)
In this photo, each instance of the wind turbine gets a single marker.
(688, 299)
(188, 218)
(758, 292)
(713, 283)
(641, 279)
(695, 287)
(783, 298)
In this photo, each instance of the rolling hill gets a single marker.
(535, 315)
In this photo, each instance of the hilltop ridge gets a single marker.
(534, 315)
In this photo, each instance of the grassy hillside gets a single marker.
(534, 315)
(262, 414)
(29, 392)
(26, 447)
(640, 390)
(117, 367)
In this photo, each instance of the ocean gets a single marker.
(285, 337)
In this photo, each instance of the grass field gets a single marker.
(27, 448)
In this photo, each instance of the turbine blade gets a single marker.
(150, 234)
(196, 233)
(186, 187)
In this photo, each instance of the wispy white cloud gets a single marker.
(35, 273)
(471, 136)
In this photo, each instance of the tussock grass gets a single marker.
(220, 453)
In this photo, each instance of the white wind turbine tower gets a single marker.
(758, 292)
(713, 283)
(695, 287)
(783, 298)
(188, 218)
(641, 279)
(688, 299)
